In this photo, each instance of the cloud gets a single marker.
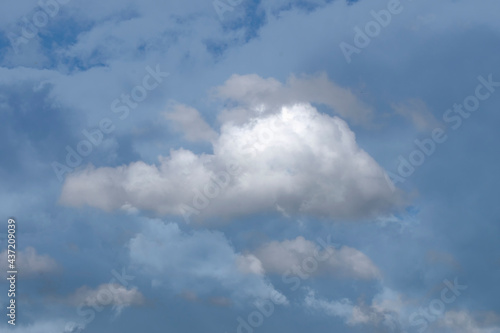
(248, 263)
(464, 322)
(199, 261)
(389, 311)
(418, 113)
(189, 121)
(257, 95)
(277, 6)
(281, 257)
(383, 312)
(42, 326)
(108, 294)
(296, 161)
(342, 308)
(29, 263)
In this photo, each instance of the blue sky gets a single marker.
(251, 166)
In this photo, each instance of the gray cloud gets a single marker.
(189, 121)
(29, 263)
(281, 257)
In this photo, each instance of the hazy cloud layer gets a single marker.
(199, 262)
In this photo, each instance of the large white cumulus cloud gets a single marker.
(297, 161)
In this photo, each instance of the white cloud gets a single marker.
(200, 261)
(30, 263)
(297, 160)
(281, 257)
(189, 121)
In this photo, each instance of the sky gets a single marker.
(251, 166)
